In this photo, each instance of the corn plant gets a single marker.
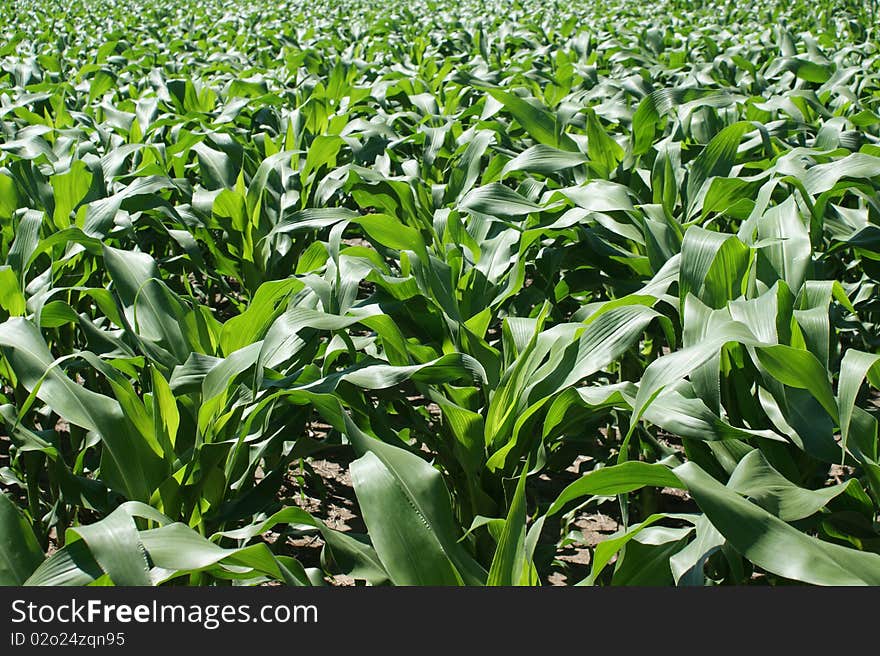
(508, 264)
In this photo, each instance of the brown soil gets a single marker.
(331, 499)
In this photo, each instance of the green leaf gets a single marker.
(823, 177)
(772, 544)
(510, 565)
(153, 311)
(604, 152)
(606, 549)
(130, 465)
(115, 545)
(497, 200)
(8, 197)
(69, 190)
(11, 298)
(647, 117)
(20, 554)
(614, 480)
(755, 478)
(645, 560)
(713, 267)
(217, 169)
(854, 368)
(251, 325)
(543, 159)
(540, 123)
(715, 160)
(790, 252)
(408, 514)
(390, 232)
(799, 369)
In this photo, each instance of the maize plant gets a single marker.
(451, 293)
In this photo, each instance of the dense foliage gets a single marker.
(515, 262)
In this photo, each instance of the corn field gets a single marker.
(449, 293)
